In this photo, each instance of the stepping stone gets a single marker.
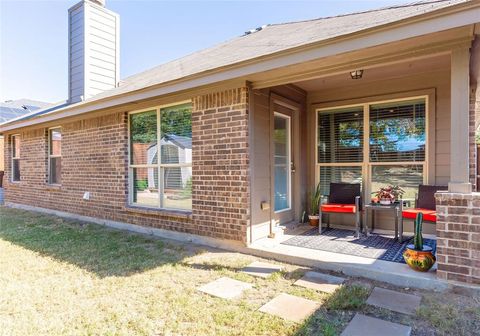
(225, 288)
(362, 325)
(261, 269)
(320, 281)
(398, 302)
(290, 307)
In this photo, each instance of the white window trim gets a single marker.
(13, 158)
(159, 165)
(49, 140)
(366, 164)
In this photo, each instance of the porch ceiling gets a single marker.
(381, 72)
(409, 51)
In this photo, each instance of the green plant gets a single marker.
(141, 184)
(418, 238)
(315, 198)
(391, 192)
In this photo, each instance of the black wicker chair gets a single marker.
(344, 198)
(424, 203)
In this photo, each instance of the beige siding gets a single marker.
(260, 163)
(94, 48)
(262, 155)
(437, 82)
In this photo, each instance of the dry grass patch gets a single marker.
(64, 277)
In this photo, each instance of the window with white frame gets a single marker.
(160, 163)
(375, 144)
(15, 140)
(54, 155)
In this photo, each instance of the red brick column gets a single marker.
(458, 237)
(220, 155)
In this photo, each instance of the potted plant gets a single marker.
(418, 256)
(388, 195)
(315, 199)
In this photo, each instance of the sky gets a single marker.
(33, 34)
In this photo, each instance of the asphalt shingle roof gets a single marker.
(14, 108)
(271, 39)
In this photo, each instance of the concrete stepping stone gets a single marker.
(290, 307)
(319, 281)
(362, 325)
(395, 301)
(261, 269)
(225, 288)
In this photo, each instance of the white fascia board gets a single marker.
(454, 18)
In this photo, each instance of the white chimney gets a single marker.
(94, 49)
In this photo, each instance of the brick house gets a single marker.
(264, 114)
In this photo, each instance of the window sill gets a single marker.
(155, 211)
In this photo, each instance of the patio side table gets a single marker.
(396, 208)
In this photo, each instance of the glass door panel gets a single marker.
(282, 159)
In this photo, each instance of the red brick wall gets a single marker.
(94, 159)
(221, 189)
(458, 237)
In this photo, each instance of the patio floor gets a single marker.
(375, 246)
(391, 272)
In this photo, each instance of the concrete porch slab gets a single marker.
(261, 269)
(225, 288)
(395, 301)
(290, 307)
(362, 325)
(319, 281)
(385, 271)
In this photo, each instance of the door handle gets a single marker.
(292, 167)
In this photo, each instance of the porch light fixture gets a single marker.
(356, 74)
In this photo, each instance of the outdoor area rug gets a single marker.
(343, 241)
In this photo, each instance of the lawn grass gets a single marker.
(64, 277)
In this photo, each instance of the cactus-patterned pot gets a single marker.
(419, 260)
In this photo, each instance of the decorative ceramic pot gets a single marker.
(386, 201)
(314, 220)
(419, 260)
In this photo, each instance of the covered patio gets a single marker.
(392, 114)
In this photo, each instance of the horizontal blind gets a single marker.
(345, 174)
(340, 136)
(397, 131)
(408, 177)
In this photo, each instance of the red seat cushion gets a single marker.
(428, 215)
(341, 208)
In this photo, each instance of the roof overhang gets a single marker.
(464, 14)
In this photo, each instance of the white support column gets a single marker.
(459, 131)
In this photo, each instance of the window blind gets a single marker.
(340, 136)
(346, 174)
(397, 132)
(406, 176)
